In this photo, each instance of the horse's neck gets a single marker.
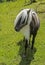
(26, 31)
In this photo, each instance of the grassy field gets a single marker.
(11, 44)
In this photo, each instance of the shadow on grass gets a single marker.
(29, 56)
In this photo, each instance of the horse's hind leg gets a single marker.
(33, 40)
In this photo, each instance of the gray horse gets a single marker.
(28, 23)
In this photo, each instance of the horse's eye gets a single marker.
(23, 21)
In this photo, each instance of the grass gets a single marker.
(11, 46)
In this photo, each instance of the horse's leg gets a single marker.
(33, 40)
(23, 39)
(29, 39)
(26, 45)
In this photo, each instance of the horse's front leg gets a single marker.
(29, 39)
(24, 39)
(26, 46)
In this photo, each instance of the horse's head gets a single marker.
(20, 21)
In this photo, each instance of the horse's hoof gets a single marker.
(24, 56)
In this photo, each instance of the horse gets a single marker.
(28, 23)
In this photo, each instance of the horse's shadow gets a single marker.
(29, 56)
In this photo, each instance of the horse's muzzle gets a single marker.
(16, 29)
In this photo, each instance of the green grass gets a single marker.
(10, 50)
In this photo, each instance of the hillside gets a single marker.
(11, 50)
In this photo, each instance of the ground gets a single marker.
(11, 44)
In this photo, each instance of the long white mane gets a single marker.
(23, 13)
